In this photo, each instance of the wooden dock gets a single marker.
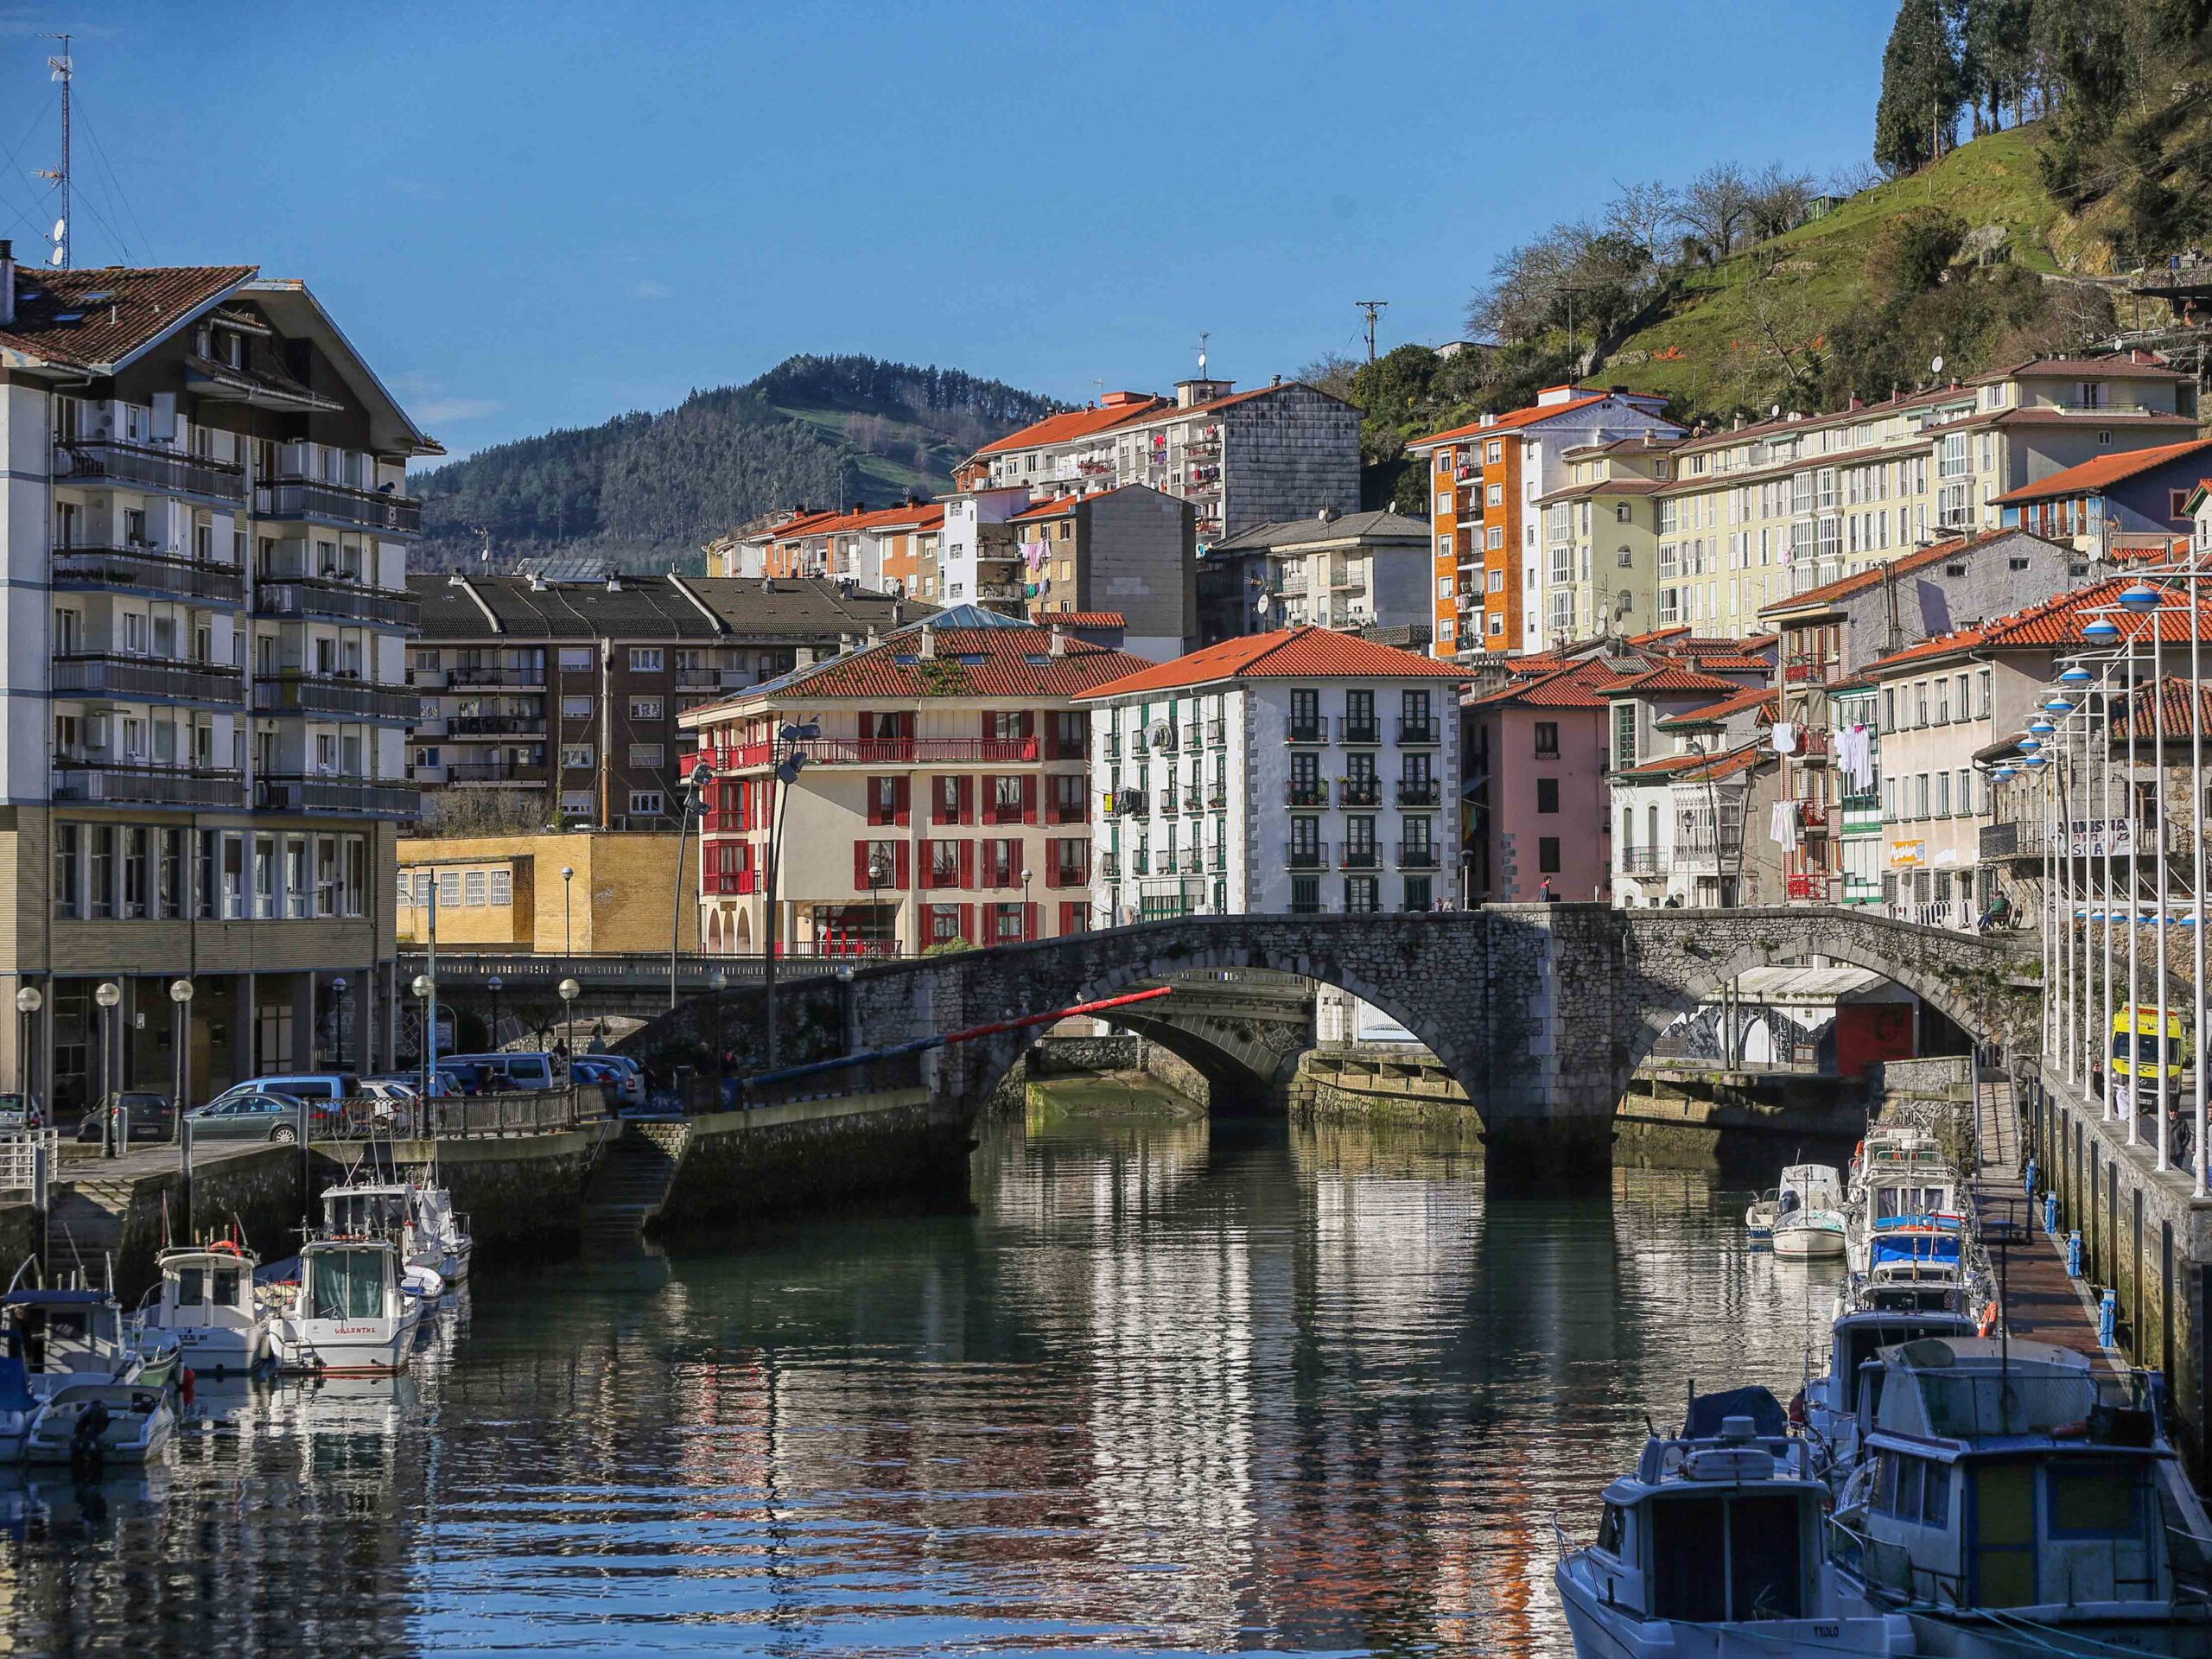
(2041, 1304)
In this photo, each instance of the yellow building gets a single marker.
(510, 893)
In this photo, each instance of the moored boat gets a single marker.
(94, 1422)
(1809, 1220)
(204, 1307)
(350, 1311)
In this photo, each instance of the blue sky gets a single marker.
(531, 216)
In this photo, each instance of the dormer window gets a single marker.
(203, 342)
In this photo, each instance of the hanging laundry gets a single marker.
(1785, 737)
(1782, 828)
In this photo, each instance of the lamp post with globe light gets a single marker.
(426, 992)
(569, 990)
(180, 1039)
(107, 996)
(29, 1002)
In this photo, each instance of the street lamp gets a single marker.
(28, 1001)
(426, 992)
(180, 1039)
(569, 990)
(567, 918)
(718, 982)
(108, 995)
(493, 986)
(338, 1020)
(1027, 932)
(694, 788)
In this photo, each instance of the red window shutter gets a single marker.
(989, 723)
(929, 864)
(967, 800)
(1029, 922)
(1029, 797)
(902, 800)
(968, 923)
(967, 863)
(1071, 916)
(860, 866)
(899, 866)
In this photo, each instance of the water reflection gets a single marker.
(1171, 1386)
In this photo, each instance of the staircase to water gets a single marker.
(633, 1178)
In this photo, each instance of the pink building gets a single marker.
(1536, 798)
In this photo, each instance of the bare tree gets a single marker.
(1778, 198)
(1716, 208)
(1333, 372)
(1641, 214)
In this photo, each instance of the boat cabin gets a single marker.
(2006, 1476)
(1809, 1187)
(367, 1212)
(1717, 1523)
(348, 1280)
(54, 1331)
(205, 1291)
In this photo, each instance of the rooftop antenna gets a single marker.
(61, 69)
(1372, 306)
(1101, 384)
(1203, 335)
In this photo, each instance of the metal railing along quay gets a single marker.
(519, 972)
(466, 1117)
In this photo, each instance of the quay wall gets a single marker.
(2142, 1234)
(1055, 1055)
(259, 1190)
(815, 1153)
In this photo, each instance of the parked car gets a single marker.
(300, 1085)
(622, 1078)
(261, 1116)
(519, 1069)
(18, 1113)
(146, 1117)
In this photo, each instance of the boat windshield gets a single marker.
(361, 1213)
(1910, 1201)
(1971, 1407)
(200, 1286)
(1757, 1534)
(345, 1284)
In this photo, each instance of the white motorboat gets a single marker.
(66, 1335)
(439, 1225)
(1715, 1545)
(2009, 1499)
(1902, 1184)
(389, 1210)
(91, 1423)
(1832, 1401)
(1808, 1219)
(205, 1306)
(349, 1310)
(1758, 1219)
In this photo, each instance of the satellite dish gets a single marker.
(1775, 413)
(1936, 366)
(57, 257)
(61, 225)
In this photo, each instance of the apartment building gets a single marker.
(1486, 479)
(943, 795)
(1299, 770)
(1694, 828)
(568, 682)
(205, 524)
(1829, 634)
(889, 550)
(1779, 506)
(1948, 706)
(547, 894)
(1130, 550)
(1280, 451)
(1345, 571)
(1601, 540)
(2129, 506)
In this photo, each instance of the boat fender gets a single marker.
(1989, 1316)
(1797, 1408)
(184, 1381)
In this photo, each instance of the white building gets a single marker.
(1298, 772)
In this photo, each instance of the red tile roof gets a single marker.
(2053, 623)
(1284, 654)
(1668, 678)
(1730, 662)
(1903, 565)
(2092, 476)
(1013, 660)
(1573, 687)
(1509, 422)
(1074, 424)
(135, 307)
(2133, 717)
(1727, 708)
(1083, 620)
(1682, 767)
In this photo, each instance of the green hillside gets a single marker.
(649, 490)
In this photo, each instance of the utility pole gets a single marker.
(65, 230)
(1372, 308)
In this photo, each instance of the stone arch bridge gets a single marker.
(1541, 1011)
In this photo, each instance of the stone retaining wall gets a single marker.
(1055, 1055)
(817, 1154)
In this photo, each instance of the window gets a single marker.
(1498, 581)
(100, 890)
(645, 707)
(1547, 737)
(1981, 700)
(68, 904)
(647, 756)
(1495, 453)
(1419, 893)
(1943, 794)
(1548, 854)
(575, 757)
(1546, 794)
(575, 708)
(135, 871)
(1363, 895)
(646, 659)
(1624, 735)
(645, 802)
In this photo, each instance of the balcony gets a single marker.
(143, 466)
(1417, 855)
(1814, 816)
(1806, 888)
(78, 779)
(1170, 804)
(145, 570)
(1140, 861)
(492, 674)
(1420, 734)
(1419, 792)
(334, 601)
(1216, 797)
(1813, 746)
(1312, 794)
(1109, 866)
(489, 726)
(1194, 735)
(1128, 804)
(1809, 671)
(337, 504)
(1641, 860)
(1359, 791)
(99, 674)
(335, 697)
(714, 679)
(1308, 731)
(356, 797)
(1292, 584)
(1359, 856)
(1306, 855)
(1362, 732)
(1194, 799)
(1219, 863)
(1113, 751)
(1191, 861)
(491, 772)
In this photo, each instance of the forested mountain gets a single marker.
(649, 490)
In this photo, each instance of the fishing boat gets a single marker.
(2009, 1499)
(1831, 1408)
(1715, 1544)
(67, 1334)
(95, 1423)
(1808, 1219)
(389, 1210)
(349, 1310)
(1902, 1184)
(205, 1306)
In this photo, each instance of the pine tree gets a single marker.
(1920, 89)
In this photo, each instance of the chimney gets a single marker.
(1857, 402)
(929, 642)
(1060, 645)
(1738, 427)
(1277, 381)
(7, 284)
(898, 613)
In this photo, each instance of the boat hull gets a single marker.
(1605, 1632)
(1803, 1242)
(210, 1349)
(344, 1347)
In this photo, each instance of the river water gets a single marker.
(1171, 1387)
